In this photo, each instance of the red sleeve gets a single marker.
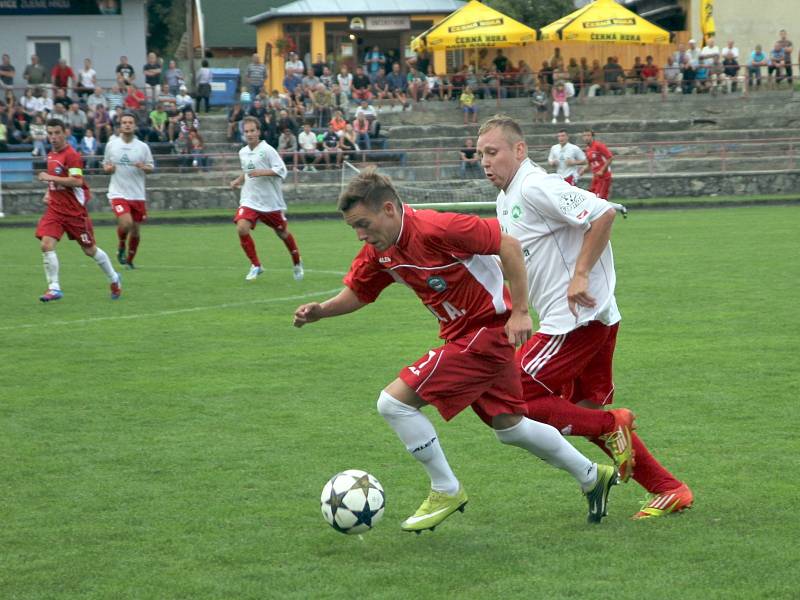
(603, 149)
(467, 234)
(365, 279)
(71, 160)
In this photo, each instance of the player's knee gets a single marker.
(89, 250)
(390, 407)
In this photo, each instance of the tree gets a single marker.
(165, 25)
(533, 13)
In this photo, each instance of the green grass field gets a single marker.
(173, 444)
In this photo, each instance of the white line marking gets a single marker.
(195, 267)
(164, 313)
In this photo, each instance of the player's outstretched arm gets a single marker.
(519, 326)
(594, 242)
(342, 303)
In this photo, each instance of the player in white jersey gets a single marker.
(262, 197)
(566, 157)
(566, 367)
(127, 159)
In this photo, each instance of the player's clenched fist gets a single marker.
(307, 313)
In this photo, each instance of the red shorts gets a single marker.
(54, 225)
(575, 365)
(477, 369)
(275, 218)
(136, 208)
(601, 187)
(570, 180)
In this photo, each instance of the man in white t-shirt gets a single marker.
(294, 69)
(730, 51)
(87, 79)
(710, 51)
(309, 152)
(127, 159)
(263, 172)
(566, 157)
(566, 367)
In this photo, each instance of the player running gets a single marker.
(262, 197)
(566, 367)
(599, 159)
(66, 198)
(127, 159)
(567, 158)
(449, 261)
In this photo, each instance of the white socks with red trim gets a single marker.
(102, 260)
(50, 261)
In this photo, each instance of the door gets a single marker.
(50, 51)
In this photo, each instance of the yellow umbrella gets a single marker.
(474, 25)
(605, 21)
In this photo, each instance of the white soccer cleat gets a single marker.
(253, 272)
(298, 272)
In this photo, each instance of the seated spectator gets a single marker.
(96, 97)
(694, 53)
(115, 98)
(596, 79)
(294, 69)
(188, 122)
(539, 100)
(731, 73)
(776, 65)
(235, 116)
(574, 74)
(338, 122)
(89, 149)
(158, 124)
(634, 76)
(715, 74)
(245, 98)
(3, 136)
(730, 51)
(361, 85)
(434, 87)
(322, 102)
(29, 103)
(469, 159)
(307, 143)
(348, 144)
(197, 151)
(398, 84)
(101, 120)
(369, 112)
(525, 78)
(361, 127)
(71, 139)
(318, 65)
(672, 75)
(134, 99)
(115, 118)
(18, 126)
(310, 81)
(62, 98)
(546, 76)
(650, 76)
(77, 121)
(701, 78)
(416, 84)
(269, 130)
(330, 148)
(285, 120)
(560, 102)
(183, 100)
(87, 79)
(613, 76)
(709, 52)
(345, 81)
(758, 60)
(459, 81)
(468, 106)
(380, 85)
(287, 146)
(326, 78)
(39, 136)
(688, 75)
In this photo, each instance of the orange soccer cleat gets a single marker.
(618, 442)
(671, 501)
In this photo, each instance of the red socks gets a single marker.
(122, 236)
(568, 418)
(249, 247)
(648, 472)
(133, 244)
(291, 245)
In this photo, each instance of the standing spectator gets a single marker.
(7, 72)
(39, 136)
(375, 60)
(758, 60)
(777, 65)
(345, 81)
(96, 98)
(469, 159)
(599, 158)
(560, 102)
(672, 75)
(788, 49)
(35, 73)
(203, 85)
(307, 141)
(539, 100)
(468, 107)
(62, 74)
(87, 79)
(88, 149)
(500, 61)
(361, 127)
(567, 158)
(361, 85)
(125, 73)
(650, 76)
(152, 78)
(730, 50)
(294, 69)
(174, 78)
(287, 146)
(256, 75)
(546, 76)
(115, 98)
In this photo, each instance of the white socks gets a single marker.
(50, 261)
(102, 260)
(547, 443)
(417, 433)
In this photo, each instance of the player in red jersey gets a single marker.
(598, 158)
(566, 367)
(66, 198)
(450, 262)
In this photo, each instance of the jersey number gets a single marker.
(452, 312)
(416, 370)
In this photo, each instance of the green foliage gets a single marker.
(533, 13)
(173, 444)
(166, 23)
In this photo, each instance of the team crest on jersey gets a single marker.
(436, 283)
(59, 170)
(516, 212)
(569, 201)
(250, 165)
(125, 160)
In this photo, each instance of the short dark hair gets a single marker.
(563, 131)
(55, 123)
(127, 113)
(589, 131)
(369, 188)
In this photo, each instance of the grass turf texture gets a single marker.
(173, 444)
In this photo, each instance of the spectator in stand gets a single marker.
(375, 61)
(62, 74)
(183, 100)
(613, 77)
(345, 81)
(326, 78)
(679, 54)
(245, 99)
(115, 98)
(788, 49)
(361, 127)
(716, 74)
(310, 81)
(270, 133)
(87, 79)
(672, 75)
(331, 149)
(62, 98)
(203, 80)
(287, 146)
(167, 100)
(730, 50)
(701, 78)
(77, 120)
(19, 126)
(650, 76)
(596, 79)
(434, 87)
(574, 74)
(416, 84)
(560, 102)
(338, 122)
(294, 70)
(525, 78)
(158, 124)
(500, 61)
(286, 121)
(318, 65)
(116, 117)
(398, 84)
(101, 121)
(694, 53)
(38, 136)
(688, 75)
(7, 72)
(125, 73)
(255, 75)
(96, 98)
(776, 65)
(189, 122)
(539, 101)
(152, 78)
(347, 143)
(710, 51)
(420, 61)
(71, 139)
(731, 73)
(28, 103)
(469, 160)
(88, 149)
(134, 99)
(361, 85)
(197, 151)
(758, 60)
(468, 106)
(323, 104)
(258, 111)
(3, 134)
(235, 116)
(634, 77)
(459, 81)
(173, 78)
(380, 86)
(35, 73)
(546, 76)
(307, 142)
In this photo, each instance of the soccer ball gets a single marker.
(352, 501)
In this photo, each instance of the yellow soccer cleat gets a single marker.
(435, 509)
(618, 441)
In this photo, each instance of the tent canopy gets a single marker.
(474, 25)
(605, 21)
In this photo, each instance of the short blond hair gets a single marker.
(510, 128)
(369, 188)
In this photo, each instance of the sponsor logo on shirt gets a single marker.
(384, 259)
(436, 283)
(569, 201)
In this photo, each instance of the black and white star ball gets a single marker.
(352, 501)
